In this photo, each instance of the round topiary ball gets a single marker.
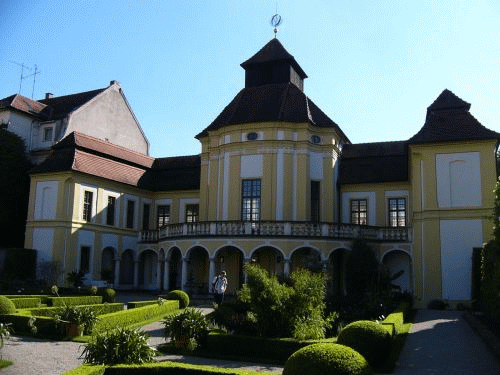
(180, 296)
(108, 295)
(6, 306)
(368, 338)
(331, 359)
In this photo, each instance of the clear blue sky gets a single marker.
(374, 66)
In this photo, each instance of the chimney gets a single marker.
(49, 95)
(113, 82)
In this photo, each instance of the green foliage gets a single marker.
(188, 330)
(14, 189)
(26, 303)
(84, 316)
(92, 290)
(6, 306)
(332, 359)
(361, 270)
(134, 316)
(75, 278)
(80, 300)
(108, 294)
(269, 302)
(122, 345)
(180, 296)
(97, 308)
(280, 310)
(308, 304)
(369, 338)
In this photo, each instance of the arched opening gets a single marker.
(307, 258)
(269, 258)
(127, 268)
(148, 270)
(336, 280)
(398, 261)
(230, 259)
(197, 271)
(108, 265)
(174, 269)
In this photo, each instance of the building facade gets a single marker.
(278, 183)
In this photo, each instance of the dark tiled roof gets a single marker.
(95, 145)
(448, 119)
(63, 105)
(175, 173)
(278, 102)
(272, 52)
(448, 100)
(374, 163)
(82, 153)
(23, 104)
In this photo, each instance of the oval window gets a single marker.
(252, 136)
(315, 139)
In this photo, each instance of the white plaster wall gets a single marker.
(458, 180)
(129, 243)
(397, 261)
(109, 240)
(46, 200)
(18, 124)
(371, 202)
(458, 238)
(108, 116)
(316, 166)
(43, 239)
(252, 166)
(182, 207)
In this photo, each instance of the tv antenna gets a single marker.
(34, 74)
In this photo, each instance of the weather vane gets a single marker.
(275, 22)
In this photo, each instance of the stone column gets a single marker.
(211, 274)
(166, 274)
(184, 272)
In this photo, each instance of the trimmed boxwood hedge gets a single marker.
(105, 308)
(269, 349)
(135, 304)
(80, 300)
(158, 368)
(26, 303)
(46, 327)
(133, 316)
(332, 359)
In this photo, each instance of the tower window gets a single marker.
(397, 212)
(250, 200)
(359, 211)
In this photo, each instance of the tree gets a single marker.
(14, 189)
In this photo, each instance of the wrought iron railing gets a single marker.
(276, 229)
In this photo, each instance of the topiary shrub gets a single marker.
(331, 359)
(108, 295)
(6, 306)
(180, 296)
(368, 338)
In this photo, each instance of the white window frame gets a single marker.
(92, 189)
(135, 199)
(115, 195)
(43, 129)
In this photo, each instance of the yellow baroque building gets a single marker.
(278, 183)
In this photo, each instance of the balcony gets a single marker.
(279, 229)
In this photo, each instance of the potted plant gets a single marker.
(80, 319)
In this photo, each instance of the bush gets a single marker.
(128, 347)
(180, 296)
(108, 294)
(84, 316)
(6, 306)
(332, 359)
(369, 338)
(188, 330)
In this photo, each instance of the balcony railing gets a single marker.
(276, 229)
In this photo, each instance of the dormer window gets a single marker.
(48, 134)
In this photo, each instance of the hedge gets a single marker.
(80, 300)
(26, 303)
(158, 368)
(133, 316)
(271, 350)
(46, 327)
(43, 297)
(104, 308)
(135, 304)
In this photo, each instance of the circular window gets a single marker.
(252, 136)
(315, 139)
